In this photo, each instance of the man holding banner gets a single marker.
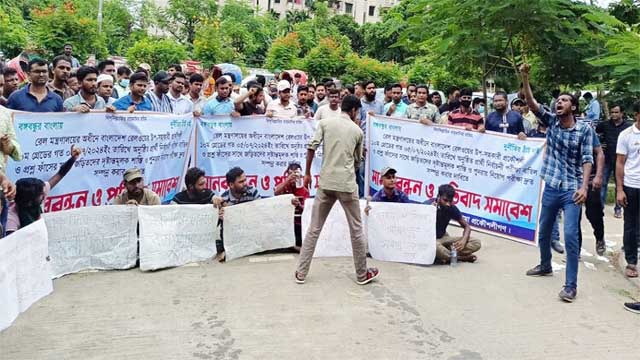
(342, 143)
(565, 171)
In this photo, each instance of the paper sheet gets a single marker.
(260, 225)
(25, 274)
(335, 239)
(402, 232)
(174, 235)
(101, 238)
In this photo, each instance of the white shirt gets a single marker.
(181, 105)
(629, 145)
(325, 111)
(289, 111)
(198, 105)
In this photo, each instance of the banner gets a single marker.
(263, 147)
(260, 225)
(402, 232)
(175, 235)
(25, 275)
(99, 237)
(334, 239)
(496, 176)
(111, 143)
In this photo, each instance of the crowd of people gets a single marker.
(582, 152)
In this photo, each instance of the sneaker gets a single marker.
(539, 271)
(299, 278)
(568, 294)
(372, 273)
(634, 307)
(618, 213)
(601, 247)
(557, 247)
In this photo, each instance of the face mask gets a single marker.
(124, 82)
(465, 103)
(481, 109)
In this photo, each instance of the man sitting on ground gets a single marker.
(389, 191)
(196, 192)
(293, 184)
(446, 212)
(135, 193)
(239, 192)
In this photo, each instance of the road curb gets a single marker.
(619, 262)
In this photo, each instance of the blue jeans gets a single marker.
(609, 171)
(555, 232)
(552, 201)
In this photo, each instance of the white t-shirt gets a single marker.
(629, 145)
(325, 111)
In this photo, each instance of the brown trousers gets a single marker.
(443, 247)
(321, 207)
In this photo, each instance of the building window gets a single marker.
(276, 1)
(372, 10)
(348, 8)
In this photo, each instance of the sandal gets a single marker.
(468, 258)
(631, 271)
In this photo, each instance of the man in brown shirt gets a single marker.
(135, 193)
(61, 72)
(342, 152)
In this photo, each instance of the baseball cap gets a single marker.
(161, 76)
(145, 66)
(132, 174)
(388, 171)
(283, 85)
(518, 100)
(104, 77)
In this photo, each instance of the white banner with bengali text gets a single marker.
(263, 147)
(496, 176)
(111, 143)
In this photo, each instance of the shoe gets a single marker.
(221, 257)
(557, 247)
(299, 278)
(634, 307)
(539, 271)
(568, 294)
(601, 247)
(372, 273)
(617, 213)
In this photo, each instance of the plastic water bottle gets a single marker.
(454, 256)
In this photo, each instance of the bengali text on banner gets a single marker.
(263, 147)
(496, 176)
(111, 143)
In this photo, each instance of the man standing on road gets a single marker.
(180, 103)
(565, 171)
(628, 193)
(504, 120)
(610, 131)
(61, 72)
(158, 98)
(421, 110)
(396, 108)
(68, 52)
(36, 96)
(331, 109)
(342, 142)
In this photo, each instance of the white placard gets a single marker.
(98, 237)
(25, 274)
(335, 239)
(402, 232)
(175, 235)
(260, 225)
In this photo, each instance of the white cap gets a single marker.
(283, 85)
(104, 77)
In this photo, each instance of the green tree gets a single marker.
(210, 45)
(54, 26)
(349, 28)
(284, 52)
(13, 30)
(382, 39)
(365, 68)
(159, 53)
(622, 59)
(326, 59)
(182, 18)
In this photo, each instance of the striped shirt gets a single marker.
(159, 104)
(459, 118)
(249, 193)
(566, 151)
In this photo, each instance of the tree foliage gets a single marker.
(12, 28)
(284, 52)
(159, 53)
(182, 18)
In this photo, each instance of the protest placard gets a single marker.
(98, 237)
(257, 226)
(175, 235)
(25, 274)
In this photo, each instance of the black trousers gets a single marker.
(631, 235)
(595, 214)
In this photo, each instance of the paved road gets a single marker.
(252, 309)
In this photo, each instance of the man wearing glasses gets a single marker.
(35, 96)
